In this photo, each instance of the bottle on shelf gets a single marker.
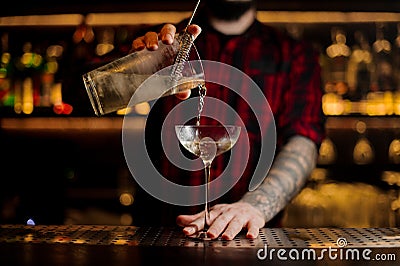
(383, 79)
(20, 75)
(51, 89)
(380, 99)
(334, 74)
(339, 53)
(27, 87)
(396, 69)
(360, 68)
(6, 73)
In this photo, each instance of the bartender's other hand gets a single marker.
(166, 35)
(226, 220)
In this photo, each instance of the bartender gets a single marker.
(287, 72)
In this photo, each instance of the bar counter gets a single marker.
(129, 245)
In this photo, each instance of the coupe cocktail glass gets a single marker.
(207, 142)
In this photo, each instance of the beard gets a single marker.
(228, 10)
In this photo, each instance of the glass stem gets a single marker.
(207, 206)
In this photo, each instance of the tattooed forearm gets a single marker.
(286, 177)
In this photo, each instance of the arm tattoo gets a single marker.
(287, 176)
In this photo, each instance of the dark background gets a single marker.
(82, 7)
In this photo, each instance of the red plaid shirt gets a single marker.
(287, 72)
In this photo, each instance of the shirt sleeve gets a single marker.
(302, 112)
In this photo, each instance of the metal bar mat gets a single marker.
(151, 236)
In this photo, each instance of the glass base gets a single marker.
(202, 235)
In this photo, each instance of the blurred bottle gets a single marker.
(360, 68)
(19, 76)
(383, 81)
(6, 72)
(105, 41)
(27, 89)
(396, 69)
(334, 64)
(27, 96)
(49, 77)
(35, 72)
(383, 78)
(324, 61)
(338, 53)
(83, 39)
(396, 57)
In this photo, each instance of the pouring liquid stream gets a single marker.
(202, 95)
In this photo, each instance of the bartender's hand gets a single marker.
(166, 35)
(226, 220)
